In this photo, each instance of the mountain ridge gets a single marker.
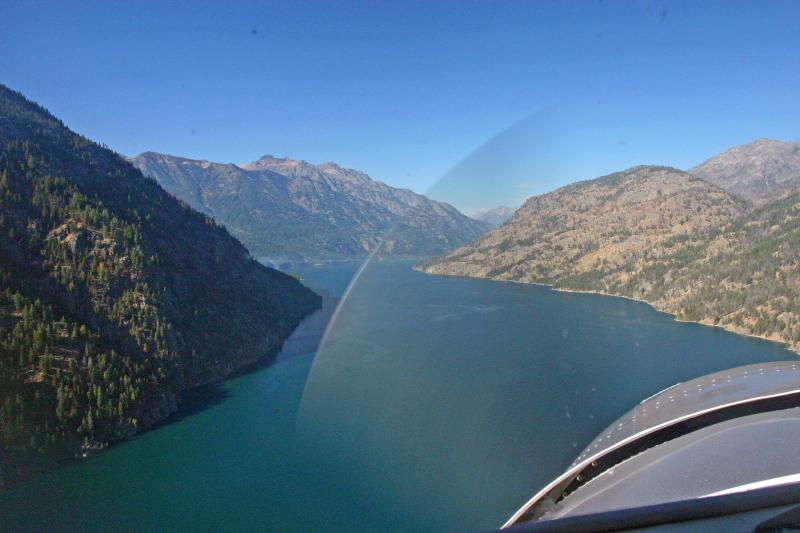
(562, 232)
(283, 206)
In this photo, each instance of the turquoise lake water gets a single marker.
(436, 404)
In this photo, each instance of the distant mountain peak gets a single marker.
(495, 217)
(269, 158)
(761, 141)
(760, 172)
(270, 162)
(154, 158)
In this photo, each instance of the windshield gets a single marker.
(317, 267)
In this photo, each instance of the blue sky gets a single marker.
(407, 90)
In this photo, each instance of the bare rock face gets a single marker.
(283, 207)
(760, 172)
(605, 230)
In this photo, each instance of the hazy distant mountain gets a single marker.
(760, 172)
(283, 207)
(494, 217)
(604, 230)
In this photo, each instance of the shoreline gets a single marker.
(681, 320)
(674, 316)
(184, 403)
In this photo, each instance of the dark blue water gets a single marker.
(435, 404)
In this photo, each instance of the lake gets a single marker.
(435, 403)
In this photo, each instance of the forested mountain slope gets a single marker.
(115, 298)
(744, 276)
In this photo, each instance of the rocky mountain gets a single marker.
(283, 207)
(115, 298)
(760, 172)
(601, 232)
(494, 217)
